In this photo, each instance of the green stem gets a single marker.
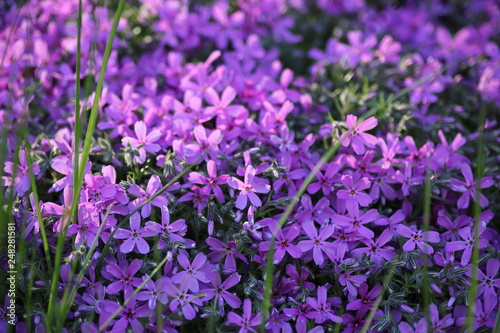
(472, 292)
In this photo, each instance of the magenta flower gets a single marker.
(318, 242)
(192, 273)
(283, 244)
(437, 325)
(488, 281)
(219, 290)
(212, 181)
(128, 316)
(169, 231)
(155, 291)
(326, 180)
(125, 275)
(354, 222)
(375, 249)
(143, 142)
(279, 322)
(356, 134)
(247, 321)
(221, 250)
(134, 237)
(181, 298)
(154, 184)
(353, 193)
(351, 282)
(248, 188)
(21, 182)
(206, 147)
(468, 188)
(418, 238)
(303, 311)
(467, 243)
(322, 308)
(366, 298)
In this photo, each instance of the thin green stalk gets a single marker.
(139, 288)
(34, 190)
(66, 302)
(427, 217)
(270, 254)
(77, 129)
(85, 156)
(472, 292)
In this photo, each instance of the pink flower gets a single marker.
(356, 134)
(144, 142)
(212, 181)
(353, 193)
(248, 188)
(134, 236)
(418, 238)
(468, 188)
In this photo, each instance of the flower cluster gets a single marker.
(205, 137)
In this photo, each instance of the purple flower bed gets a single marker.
(256, 166)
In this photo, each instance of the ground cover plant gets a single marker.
(250, 166)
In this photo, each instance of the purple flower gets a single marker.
(283, 244)
(192, 273)
(221, 250)
(134, 236)
(326, 180)
(279, 322)
(322, 308)
(351, 282)
(437, 325)
(143, 142)
(353, 193)
(128, 316)
(488, 282)
(418, 238)
(318, 243)
(356, 134)
(219, 290)
(467, 243)
(367, 298)
(183, 299)
(169, 231)
(354, 222)
(303, 312)
(155, 291)
(247, 321)
(154, 184)
(248, 188)
(206, 147)
(125, 275)
(21, 182)
(212, 181)
(468, 188)
(376, 250)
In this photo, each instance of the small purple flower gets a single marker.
(219, 290)
(212, 181)
(322, 308)
(169, 231)
(488, 282)
(279, 322)
(125, 275)
(283, 245)
(354, 222)
(21, 182)
(467, 243)
(376, 250)
(221, 250)
(248, 188)
(181, 298)
(353, 193)
(192, 273)
(128, 316)
(134, 236)
(468, 188)
(438, 326)
(247, 321)
(318, 242)
(367, 298)
(154, 184)
(356, 134)
(418, 238)
(143, 142)
(155, 291)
